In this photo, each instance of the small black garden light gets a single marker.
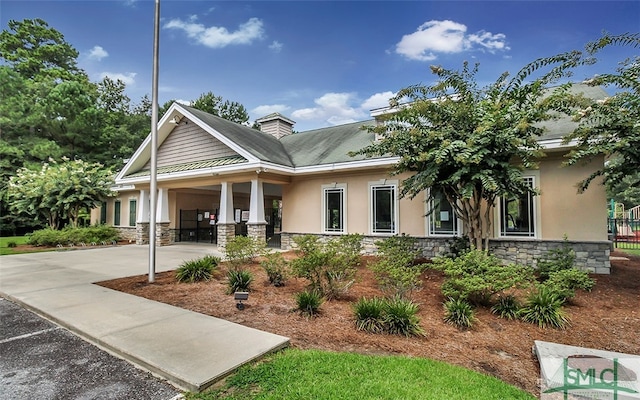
(240, 297)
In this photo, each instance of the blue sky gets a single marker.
(320, 63)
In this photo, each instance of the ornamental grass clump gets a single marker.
(239, 280)
(544, 309)
(400, 317)
(369, 314)
(309, 302)
(506, 307)
(459, 312)
(197, 270)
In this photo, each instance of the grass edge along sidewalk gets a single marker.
(315, 374)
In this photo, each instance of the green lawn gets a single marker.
(312, 374)
(634, 252)
(4, 244)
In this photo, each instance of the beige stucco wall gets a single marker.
(563, 210)
(302, 204)
(124, 197)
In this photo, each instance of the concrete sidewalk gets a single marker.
(189, 349)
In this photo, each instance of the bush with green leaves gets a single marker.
(239, 280)
(558, 259)
(331, 267)
(242, 250)
(12, 244)
(506, 307)
(400, 317)
(458, 245)
(276, 267)
(565, 282)
(200, 269)
(396, 270)
(309, 302)
(477, 276)
(458, 312)
(97, 234)
(544, 308)
(370, 314)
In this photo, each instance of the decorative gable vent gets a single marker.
(276, 125)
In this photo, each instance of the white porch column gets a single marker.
(143, 207)
(256, 203)
(226, 204)
(162, 211)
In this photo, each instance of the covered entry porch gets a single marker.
(214, 212)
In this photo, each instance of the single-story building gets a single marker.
(217, 179)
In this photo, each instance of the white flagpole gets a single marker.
(154, 148)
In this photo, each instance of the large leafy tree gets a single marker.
(471, 144)
(59, 191)
(612, 126)
(229, 110)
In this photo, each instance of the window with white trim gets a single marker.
(384, 208)
(333, 200)
(442, 220)
(518, 214)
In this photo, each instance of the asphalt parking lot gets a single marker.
(40, 360)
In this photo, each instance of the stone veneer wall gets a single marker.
(164, 235)
(142, 233)
(127, 233)
(257, 232)
(590, 256)
(225, 233)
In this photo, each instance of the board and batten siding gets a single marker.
(190, 143)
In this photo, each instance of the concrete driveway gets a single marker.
(190, 350)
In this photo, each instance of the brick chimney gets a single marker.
(276, 125)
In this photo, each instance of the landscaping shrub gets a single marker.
(458, 245)
(329, 268)
(563, 283)
(309, 302)
(559, 259)
(242, 250)
(396, 270)
(96, 234)
(477, 276)
(400, 317)
(544, 308)
(458, 312)
(276, 268)
(197, 270)
(12, 245)
(239, 280)
(369, 314)
(507, 307)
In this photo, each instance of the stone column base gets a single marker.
(142, 233)
(163, 234)
(226, 232)
(257, 232)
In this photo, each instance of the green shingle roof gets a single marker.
(217, 162)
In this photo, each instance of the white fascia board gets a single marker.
(196, 173)
(118, 188)
(368, 163)
(557, 144)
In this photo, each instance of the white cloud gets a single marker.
(267, 109)
(332, 108)
(446, 36)
(97, 53)
(128, 78)
(377, 100)
(219, 37)
(276, 46)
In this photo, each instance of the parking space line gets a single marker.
(28, 335)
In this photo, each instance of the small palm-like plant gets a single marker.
(544, 308)
(400, 317)
(239, 280)
(309, 302)
(369, 314)
(507, 307)
(458, 312)
(197, 270)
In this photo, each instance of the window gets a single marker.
(103, 212)
(334, 211)
(442, 220)
(116, 213)
(518, 214)
(383, 208)
(132, 212)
